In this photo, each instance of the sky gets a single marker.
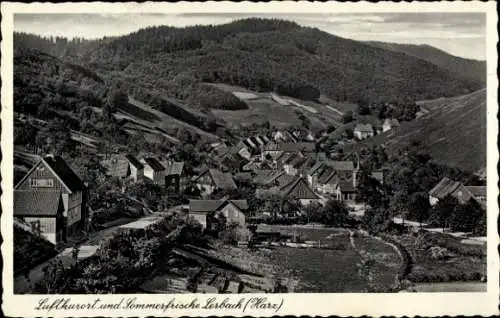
(461, 34)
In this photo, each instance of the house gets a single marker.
(292, 162)
(154, 171)
(363, 131)
(207, 212)
(213, 179)
(447, 187)
(174, 175)
(479, 193)
(303, 146)
(327, 181)
(346, 190)
(298, 189)
(44, 211)
(283, 136)
(390, 123)
(53, 174)
(344, 169)
(124, 167)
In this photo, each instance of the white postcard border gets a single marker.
(341, 304)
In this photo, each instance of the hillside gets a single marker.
(264, 55)
(454, 132)
(472, 69)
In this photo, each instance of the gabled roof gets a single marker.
(266, 176)
(36, 203)
(340, 165)
(134, 161)
(154, 164)
(327, 176)
(243, 176)
(364, 128)
(307, 164)
(445, 187)
(298, 160)
(298, 189)
(207, 206)
(298, 146)
(221, 180)
(173, 168)
(316, 168)
(477, 191)
(61, 170)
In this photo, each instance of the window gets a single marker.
(42, 183)
(35, 227)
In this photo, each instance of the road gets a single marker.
(87, 249)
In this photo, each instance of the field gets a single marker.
(321, 270)
(263, 108)
(448, 287)
(454, 132)
(459, 262)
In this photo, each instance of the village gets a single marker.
(260, 194)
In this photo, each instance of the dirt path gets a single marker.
(22, 285)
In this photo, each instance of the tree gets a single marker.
(335, 213)
(466, 217)
(443, 210)
(419, 207)
(348, 117)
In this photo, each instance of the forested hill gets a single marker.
(469, 68)
(263, 55)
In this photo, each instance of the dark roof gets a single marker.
(340, 165)
(154, 164)
(364, 128)
(65, 173)
(243, 176)
(266, 176)
(214, 205)
(173, 168)
(298, 189)
(327, 175)
(477, 191)
(298, 146)
(134, 161)
(316, 168)
(222, 180)
(445, 187)
(36, 203)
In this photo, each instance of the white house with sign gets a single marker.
(51, 198)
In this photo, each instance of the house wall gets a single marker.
(42, 172)
(136, 174)
(200, 217)
(233, 214)
(149, 173)
(327, 188)
(74, 212)
(47, 227)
